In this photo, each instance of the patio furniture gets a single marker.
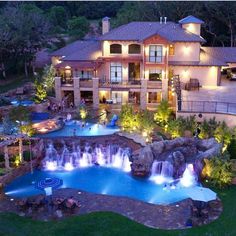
(192, 84)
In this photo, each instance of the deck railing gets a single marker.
(208, 107)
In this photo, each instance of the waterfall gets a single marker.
(189, 177)
(84, 156)
(161, 172)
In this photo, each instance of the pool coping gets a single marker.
(172, 216)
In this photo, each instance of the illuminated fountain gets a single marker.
(162, 172)
(107, 156)
(189, 178)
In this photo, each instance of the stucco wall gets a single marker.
(207, 75)
(186, 52)
(229, 119)
(193, 28)
(125, 44)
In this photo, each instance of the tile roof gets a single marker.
(139, 31)
(226, 54)
(206, 59)
(191, 19)
(74, 47)
(90, 52)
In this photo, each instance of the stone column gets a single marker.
(165, 88)
(58, 88)
(96, 92)
(21, 150)
(6, 157)
(143, 94)
(77, 95)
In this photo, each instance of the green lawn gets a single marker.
(14, 83)
(106, 223)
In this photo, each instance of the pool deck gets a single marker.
(173, 216)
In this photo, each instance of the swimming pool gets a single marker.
(100, 180)
(74, 129)
(24, 103)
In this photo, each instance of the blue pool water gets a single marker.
(88, 130)
(101, 180)
(22, 103)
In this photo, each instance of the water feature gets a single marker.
(189, 177)
(83, 156)
(78, 128)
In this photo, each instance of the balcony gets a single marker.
(120, 85)
(67, 81)
(154, 84)
(86, 83)
(158, 60)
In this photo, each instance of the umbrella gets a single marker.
(53, 183)
(201, 194)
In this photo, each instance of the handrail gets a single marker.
(208, 107)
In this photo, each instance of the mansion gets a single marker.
(135, 62)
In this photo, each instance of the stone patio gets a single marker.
(174, 216)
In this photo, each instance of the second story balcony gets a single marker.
(126, 84)
(67, 81)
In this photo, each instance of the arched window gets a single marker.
(134, 49)
(115, 48)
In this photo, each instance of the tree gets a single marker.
(29, 31)
(163, 112)
(78, 27)
(19, 114)
(58, 17)
(40, 93)
(48, 77)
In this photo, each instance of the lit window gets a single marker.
(116, 72)
(155, 74)
(171, 50)
(155, 53)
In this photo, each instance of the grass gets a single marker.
(12, 83)
(107, 223)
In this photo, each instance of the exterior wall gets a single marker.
(207, 75)
(228, 118)
(193, 28)
(186, 52)
(125, 47)
(55, 60)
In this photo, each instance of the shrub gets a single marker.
(27, 129)
(177, 127)
(128, 118)
(208, 128)
(219, 171)
(40, 93)
(223, 134)
(231, 148)
(83, 113)
(163, 113)
(145, 121)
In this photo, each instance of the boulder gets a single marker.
(142, 162)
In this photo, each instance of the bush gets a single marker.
(128, 118)
(223, 134)
(231, 148)
(219, 171)
(208, 128)
(40, 93)
(163, 113)
(145, 121)
(177, 127)
(27, 129)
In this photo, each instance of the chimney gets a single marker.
(105, 25)
(165, 19)
(160, 20)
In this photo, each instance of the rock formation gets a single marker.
(177, 152)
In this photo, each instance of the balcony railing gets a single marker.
(67, 81)
(86, 83)
(121, 84)
(154, 84)
(208, 107)
(158, 60)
